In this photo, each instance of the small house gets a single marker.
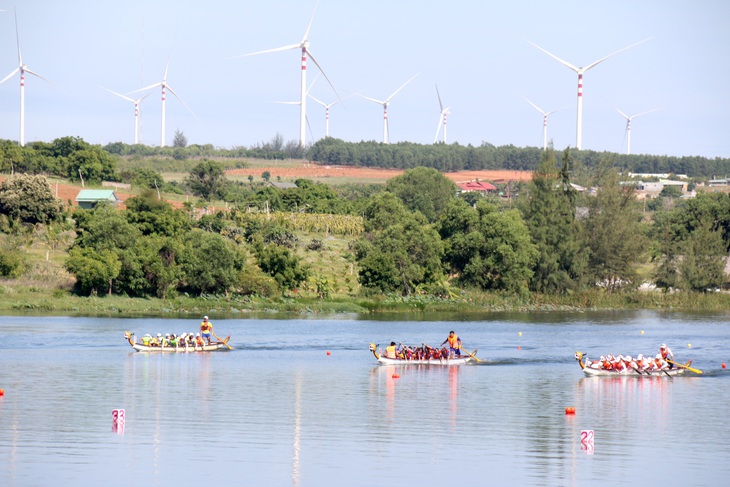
(88, 198)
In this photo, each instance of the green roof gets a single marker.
(96, 195)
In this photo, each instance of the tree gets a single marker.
(93, 164)
(550, 215)
(210, 262)
(266, 175)
(703, 265)
(423, 189)
(29, 199)
(488, 248)
(399, 250)
(153, 216)
(93, 270)
(207, 180)
(179, 140)
(613, 231)
(278, 262)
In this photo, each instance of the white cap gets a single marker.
(664, 345)
(159, 334)
(205, 317)
(640, 356)
(197, 334)
(658, 356)
(628, 358)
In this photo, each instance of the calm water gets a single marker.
(279, 411)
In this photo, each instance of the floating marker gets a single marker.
(642, 332)
(689, 345)
(519, 333)
(570, 410)
(329, 353)
(519, 348)
(2, 391)
(396, 376)
(118, 420)
(586, 441)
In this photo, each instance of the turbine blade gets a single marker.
(12, 73)
(184, 104)
(288, 102)
(441, 105)
(35, 74)
(438, 127)
(624, 115)
(535, 106)
(401, 87)
(306, 32)
(17, 38)
(311, 56)
(277, 49)
(644, 113)
(120, 95)
(379, 102)
(614, 53)
(564, 63)
(319, 101)
(145, 88)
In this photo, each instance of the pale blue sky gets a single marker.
(476, 51)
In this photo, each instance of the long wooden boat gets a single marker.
(592, 371)
(213, 347)
(464, 359)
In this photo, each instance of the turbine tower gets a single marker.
(442, 117)
(304, 46)
(165, 87)
(327, 107)
(544, 121)
(22, 69)
(385, 104)
(580, 71)
(136, 111)
(628, 126)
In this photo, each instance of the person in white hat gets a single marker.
(206, 329)
(666, 354)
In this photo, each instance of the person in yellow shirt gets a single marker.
(206, 329)
(454, 343)
(390, 351)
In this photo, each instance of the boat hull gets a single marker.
(451, 361)
(591, 372)
(140, 347)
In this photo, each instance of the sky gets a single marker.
(476, 52)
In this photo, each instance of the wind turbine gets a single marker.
(327, 107)
(22, 69)
(304, 46)
(165, 87)
(136, 111)
(544, 121)
(580, 71)
(385, 104)
(442, 117)
(628, 126)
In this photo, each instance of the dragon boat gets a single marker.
(592, 370)
(458, 360)
(213, 347)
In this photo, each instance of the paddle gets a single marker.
(224, 343)
(638, 371)
(470, 354)
(696, 371)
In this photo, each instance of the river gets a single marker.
(279, 410)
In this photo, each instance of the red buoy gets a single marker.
(396, 376)
(519, 348)
(570, 410)
(329, 353)
(723, 366)
(2, 391)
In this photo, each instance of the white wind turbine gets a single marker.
(327, 107)
(304, 46)
(165, 87)
(544, 121)
(136, 111)
(580, 71)
(385, 103)
(22, 69)
(442, 117)
(628, 125)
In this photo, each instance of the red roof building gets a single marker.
(477, 186)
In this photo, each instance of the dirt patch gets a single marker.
(316, 171)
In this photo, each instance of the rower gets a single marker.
(206, 329)
(454, 343)
(666, 354)
(390, 351)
